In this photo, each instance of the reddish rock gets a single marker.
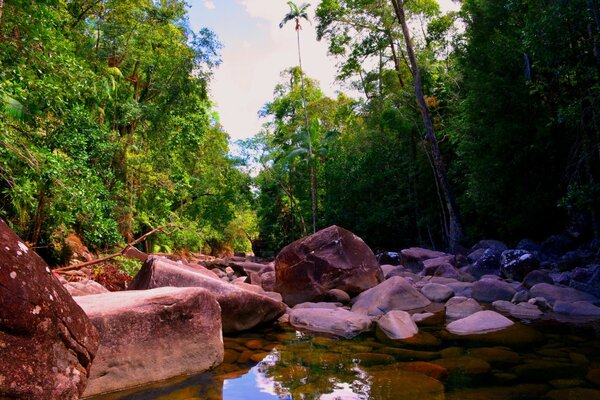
(333, 258)
(84, 288)
(152, 335)
(241, 309)
(47, 343)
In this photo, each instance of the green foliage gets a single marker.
(106, 125)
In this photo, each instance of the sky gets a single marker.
(255, 53)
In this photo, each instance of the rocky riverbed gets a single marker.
(383, 322)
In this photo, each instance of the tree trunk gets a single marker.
(455, 233)
(313, 177)
(1, 6)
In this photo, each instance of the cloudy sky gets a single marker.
(254, 54)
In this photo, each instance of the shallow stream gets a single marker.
(547, 360)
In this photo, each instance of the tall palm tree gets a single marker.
(296, 14)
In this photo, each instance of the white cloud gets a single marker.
(209, 4)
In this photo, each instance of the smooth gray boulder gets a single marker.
(152, 335)
(553, 293)
(336, 321)
(437, 292)
(489, 290)
(576, 308)
(522, 310)
(478, 323)
(395, 293)
(397, 324)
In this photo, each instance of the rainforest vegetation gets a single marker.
(479, 123)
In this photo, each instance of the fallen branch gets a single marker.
(124, 251)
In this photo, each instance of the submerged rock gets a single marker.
(47, 343)
(152, 335)
(241, 309)
(480, 322)
(395, 293)
(388, 384)
(332, 258)
(337, 321)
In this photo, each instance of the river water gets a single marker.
(545, 360)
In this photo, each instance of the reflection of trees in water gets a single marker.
(306, 371)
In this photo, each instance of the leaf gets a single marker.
(114, 71)
(13, 108)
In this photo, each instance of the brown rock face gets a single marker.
(240, 309)
(151, 335)
(332, 258)
(47, 342)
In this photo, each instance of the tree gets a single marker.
(296, 14)
(455, 233)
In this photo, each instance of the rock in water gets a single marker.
(395, 293)
(47, 343)
(336, 321)
(397, 324)
(480, 322)
(152, 335)
(332, 258)
(241, 309)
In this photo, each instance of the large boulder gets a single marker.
(335, 321)
(489, 290)
(332, 258)
(395, 293)
(553, 293)
(487, 264)
(47, 343)
(152, 335)
(515, 264)
(241, 309)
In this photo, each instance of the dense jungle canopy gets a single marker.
(107, 129)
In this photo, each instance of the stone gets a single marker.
(437, 292)
(488, 263)
(413, 258)
(152, 335)
(553, 293)
(535, 277)
(337, 296)
(426, 368)
(582, 308)
(522, 310)
(517, 336)
(513, 392)
(464, 365)
(478, 323)
(544, 370)
(267, 281)
(488, 290)
(461, 288)
(371, 359)
(520, 296)
(241, 309)
(395, 293)
(397, 324)
(387, 268)
(573, 393)
(412, 355)
(460, 307)
(84, 288)
(322, 304)
(586, 279)
(593, 376)
(332, 258)
(496, 356)
(475, 255)
(47, 343)
(393, 384)
(338, 321)
(448, 271)
(436, 262)
(397, 271)
(515, 264)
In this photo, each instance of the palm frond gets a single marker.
(12, 107)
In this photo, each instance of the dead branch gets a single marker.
(123, 252)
